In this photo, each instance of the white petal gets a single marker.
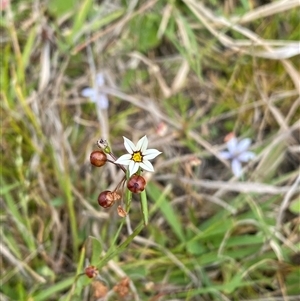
(243, 145)
(225, 155)
(142, 144)
(124, 159)
(133, 167)
(246, 156)
(130, 147)
(146, 165)
(232, 145)
(151, 153)
(99, 79)
(102, 101)
(88, 92)
(236, 167)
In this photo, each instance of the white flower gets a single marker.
(237, 153)
(138, 156)
(93, 93)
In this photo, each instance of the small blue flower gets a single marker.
(95, 96)
(237, 153)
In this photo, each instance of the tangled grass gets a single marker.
(186, 74)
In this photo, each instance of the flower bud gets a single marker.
(136, 184)
(102, 143)
(98, 158)
(91, 271)
(106, 199)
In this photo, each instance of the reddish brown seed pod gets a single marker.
(106, 199)
(136, 184)
(98, 158)
(91, 271)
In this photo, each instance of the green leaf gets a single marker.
(295, 206)
(235, 282)
(167, 210)
(80, 18)
(27, 50)
(7, 188)
(97, 250)
(195, 247)
(49, 292)
(115, 251)
(144, 206)
(59, 8)
(146, 28)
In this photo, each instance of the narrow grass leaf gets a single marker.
(167, 210)
(50, 292)
(20, 221)
(113, 252)
(144, 206)
(66, 186)
(28, 48)
(59, 8)
(214, 288)
(80, 18)
(97, 250)
(98, 23)
(295, 206)
(4, 189)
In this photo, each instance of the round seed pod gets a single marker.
(91, 271)
(106, 199)
(98, 158)
(136, 184)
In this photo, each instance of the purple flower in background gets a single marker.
(237, 153)
(95, 96)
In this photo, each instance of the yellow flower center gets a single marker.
(137, 157)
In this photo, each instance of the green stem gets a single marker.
(72, 215)
(144, 206)
(115, 251)
(128, 197)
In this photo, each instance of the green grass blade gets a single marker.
(80, 18)
(51, 291)
(144, 206)
(171, 215)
